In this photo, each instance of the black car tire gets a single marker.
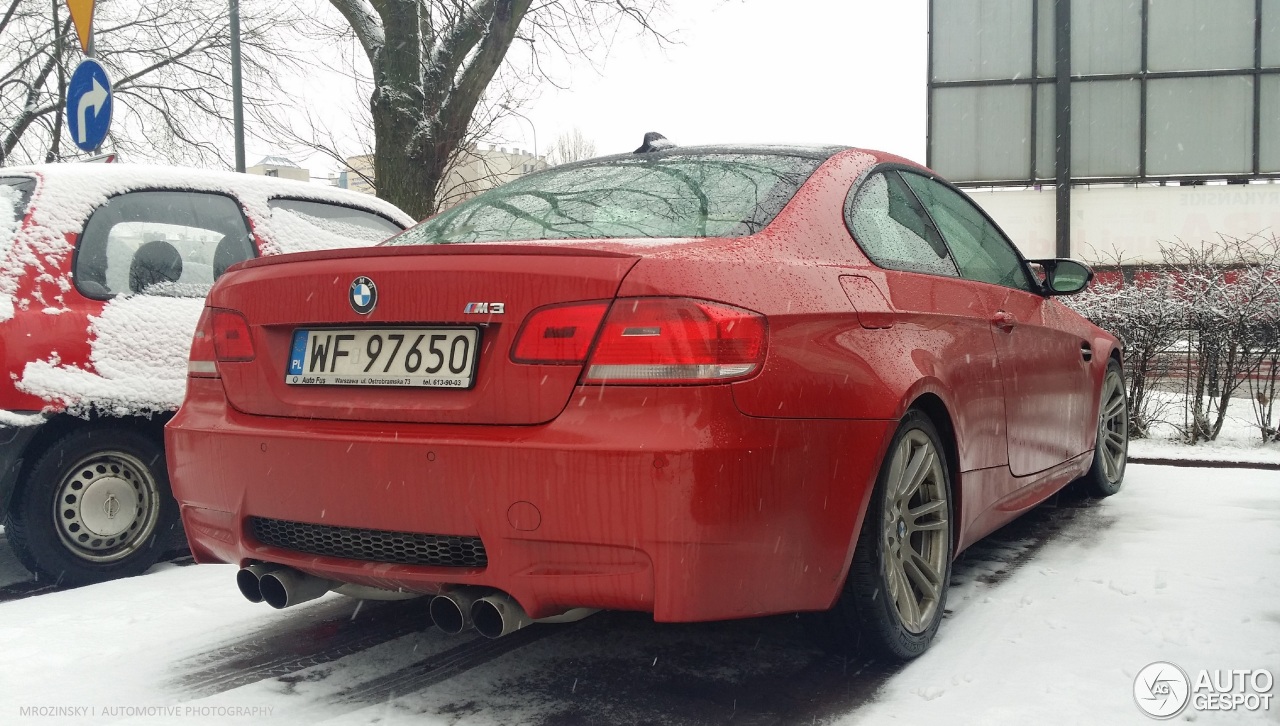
(866, 617)
(100, 477)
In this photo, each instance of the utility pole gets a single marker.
(237, 97)
(1062, 119)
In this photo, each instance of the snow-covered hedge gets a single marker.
(1206, 323)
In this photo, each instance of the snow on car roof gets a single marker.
(69, 192)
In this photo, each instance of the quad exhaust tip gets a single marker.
(248, 580)
(280, 587)
(492, 613)
(451, 610)
(499, 614)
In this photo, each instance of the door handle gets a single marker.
(1004, 321)
(1086, 351)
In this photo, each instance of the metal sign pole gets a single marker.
(237, 98)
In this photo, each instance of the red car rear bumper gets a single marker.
(666, 500)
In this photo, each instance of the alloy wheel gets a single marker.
(1113, 427)
(107, 506)
(917, 531)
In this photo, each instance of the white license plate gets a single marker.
(422, 357)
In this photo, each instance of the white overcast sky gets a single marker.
(747, 71)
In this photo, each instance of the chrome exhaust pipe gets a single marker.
(248, 580)
(451, 609)
(286, 587)
(499, 614)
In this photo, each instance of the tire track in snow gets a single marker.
(344, 627)
(441, 666)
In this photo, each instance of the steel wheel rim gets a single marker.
(917, 531)
(1113, 428)
(107, 507)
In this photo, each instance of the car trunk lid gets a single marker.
(435, 287)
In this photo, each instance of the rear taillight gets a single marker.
(676, 341)
(559, 334)
(646, 340)
(221, 336)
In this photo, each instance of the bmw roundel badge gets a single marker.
(363, 295)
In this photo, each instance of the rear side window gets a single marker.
(648, 195)
(305, 217)
(173, 244)
(893, 230)
(981, 251)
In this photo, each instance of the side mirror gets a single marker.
(1063, 276)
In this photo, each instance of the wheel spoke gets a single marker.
(908, 608)
(937, 505)
(1114, 407)
(896, 467)
(919, 468)
(924, 575)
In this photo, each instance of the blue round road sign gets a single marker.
(89, 105)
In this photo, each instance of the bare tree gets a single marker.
(433, 61)
(169, 62)
(571, 146)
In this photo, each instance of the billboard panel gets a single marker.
(1159, 89)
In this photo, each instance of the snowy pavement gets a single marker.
(1049, 620)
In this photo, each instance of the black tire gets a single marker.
(94, 475)
(1105, 478)
(865, 618)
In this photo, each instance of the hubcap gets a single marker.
(1113, 428)
(917, 531)
(107, 507)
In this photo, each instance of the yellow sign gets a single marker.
(82, 15)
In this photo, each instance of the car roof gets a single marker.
(819, 152)
(83, 186)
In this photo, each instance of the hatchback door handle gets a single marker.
(1086, 351)
(1004, 321)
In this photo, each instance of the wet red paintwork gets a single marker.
(692, 502)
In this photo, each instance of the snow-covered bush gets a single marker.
(1231, 288)
(1206, 321)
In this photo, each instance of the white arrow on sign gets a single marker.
(93, 99)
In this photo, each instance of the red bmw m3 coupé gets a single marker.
(702, 382)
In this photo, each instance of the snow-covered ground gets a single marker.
(1049, 621)
(1185, 568)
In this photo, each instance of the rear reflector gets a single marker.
(676, 341)
(559, 334)
(221, 335)
(231, 339)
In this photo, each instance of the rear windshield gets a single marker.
(669, 195)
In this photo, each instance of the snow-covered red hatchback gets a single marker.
(103, 273)
(705, 383)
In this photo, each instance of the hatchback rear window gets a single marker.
(320, 219)
(664, 195)
(168, 243)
